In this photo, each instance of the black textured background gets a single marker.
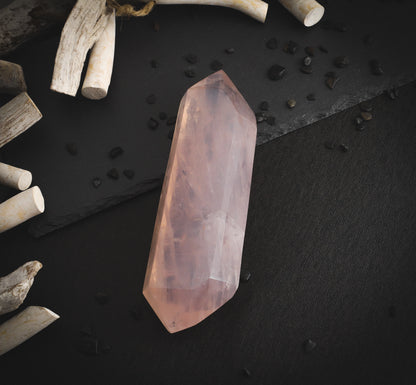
(121, 119)
(330, 244)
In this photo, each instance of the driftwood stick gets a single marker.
(16, 117)
(23, 326)
(20, 208)
(100, 66)
(15, 286)
(22, 20)
(82, 29)
(308, 12)
(15, 177)
(12, 80)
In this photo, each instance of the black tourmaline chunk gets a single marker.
(276, 72)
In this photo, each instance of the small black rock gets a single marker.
(230, 50)
(307, 61)
(271, 43)
(113, 174)
(290, 47)
(308, 345)
(96, 182)
(310, 51)
(191, 58)
(72, 148)
(366, 115)
(358, 120)
(271, 120)
(189, 73)
(264, 106)
(341, 61)
(151, 99)
(115, 152)
(365, 106)
(163, 115)
(260, 117)
(152, 123)
(331, 82)
(170, 133)
(246, 372)
(306, 70)
(102, 298)
(128, 173)
(392, 93)
(360, 127)
(245, 277)
(375, 67)
(171, 121)
(323, 49)
(276, 72)
(329, 145)
(216, 65)
(88, 346)
(311, 97)
(291, 103)
(343, 147)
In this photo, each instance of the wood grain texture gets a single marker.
(16, 117)
(12, 79)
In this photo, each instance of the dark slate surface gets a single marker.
(330, 245)
(122, 118)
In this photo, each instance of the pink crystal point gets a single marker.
(195, 257)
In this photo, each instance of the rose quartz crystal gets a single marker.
(195, 257)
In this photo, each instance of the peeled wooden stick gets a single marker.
(15, 177)
(100, 66)
(20, 208)
(12, 80)
(308, 12)
(82, 29)
(16, 117)
(254, 8)
(15, 286)
(23, 326)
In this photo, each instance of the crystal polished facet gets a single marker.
(195, 257)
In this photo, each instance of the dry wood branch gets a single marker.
(15, 177)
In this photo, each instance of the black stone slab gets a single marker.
(149, 62)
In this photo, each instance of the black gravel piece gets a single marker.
(392, 93)
(310, 51)
(360, 127)
(113, 174)
(306, 70)
(152, 123)
(271, 120)
(154, 63)
(128, 173)
(331, 82)
(307, 61)
(230, 50)
(329, 145)
(246, 373)
(245, 277)
(96, 182)
(291, 103)
(102, 298)
(276, 72)
(171, 121)
(323, 49)
(170, 133)
(163, 115)
(151, 99)
(264, 106)
(308, 345)
(290, 47)
(88, 346)
(366, 115)
(365, 106)
(311, 97)
(72, 148)
(216, 65)
(260, 117)
(271, 43)
(189, 73)
(191, 58)
(115, 152)
(358, 120)
(375, 67)
(341, 61)
(343, 147)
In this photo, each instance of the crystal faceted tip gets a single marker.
(195, 256)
